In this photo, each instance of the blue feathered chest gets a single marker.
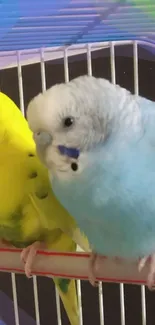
(113, 200)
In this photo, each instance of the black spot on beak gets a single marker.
(74, 166)
(33, 175)
(41, 195)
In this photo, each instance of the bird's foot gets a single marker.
(28, 255)
(151, 274)
(93, 267)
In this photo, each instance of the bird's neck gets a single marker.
(124, 112)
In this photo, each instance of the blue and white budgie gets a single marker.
(98, 140)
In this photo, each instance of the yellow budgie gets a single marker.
(29, 212)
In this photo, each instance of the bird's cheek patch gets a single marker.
(69, 152)
(72, 153)
(74, 166)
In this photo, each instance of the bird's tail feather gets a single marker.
(68, 294)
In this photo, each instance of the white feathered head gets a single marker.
(70, 119)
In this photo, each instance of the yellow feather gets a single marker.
(29, 210)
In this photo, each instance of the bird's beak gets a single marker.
(42, 140)
(41, 153)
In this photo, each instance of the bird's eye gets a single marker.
(68, 121)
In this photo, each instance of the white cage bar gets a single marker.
(21, 97)
(136, 90)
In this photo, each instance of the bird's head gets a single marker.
(69, 120)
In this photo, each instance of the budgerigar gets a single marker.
(101, 154)
(29, 211)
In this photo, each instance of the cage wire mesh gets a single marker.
(109, 303)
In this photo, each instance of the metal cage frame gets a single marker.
(22, 58)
